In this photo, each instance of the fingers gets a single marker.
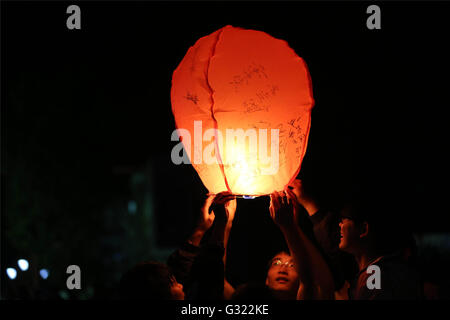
(231, 204)
(281, 209)
(207, 205)
(281, 198)
(271, 207)
(223, 197)
(209, 200)
(297, 183)
(278, 200)
(275, 199)
(230, 200)
(291, 196)
(296, 186)
(284, 200)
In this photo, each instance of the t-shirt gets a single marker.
(398, 281)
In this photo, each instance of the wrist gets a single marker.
(288, 229)
(196, 237)
(199, 231)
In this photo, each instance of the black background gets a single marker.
(83, 110)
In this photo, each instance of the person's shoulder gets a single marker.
(395, 263)
(398, 279)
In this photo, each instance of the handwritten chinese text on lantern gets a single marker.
(246, 93)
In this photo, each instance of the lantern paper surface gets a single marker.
(243, 79)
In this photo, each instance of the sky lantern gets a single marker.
(242, 103)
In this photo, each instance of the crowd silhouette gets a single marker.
(361, 252)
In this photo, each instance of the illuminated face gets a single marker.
(176, 289)
(282, 275)
(349, 235)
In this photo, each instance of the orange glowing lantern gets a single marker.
(242, 104)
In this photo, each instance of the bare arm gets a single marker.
(322, 277)
(225, 215)
(316, 281)
(282, 214)
(205, 222)
(230, 207)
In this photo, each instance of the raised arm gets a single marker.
(225, 207)
(303, 198)
(323, 279)
(204, 222)
(182, 259)
(315, 276)
(282, 213)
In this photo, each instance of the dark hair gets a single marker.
(386, 220)
(147, 280)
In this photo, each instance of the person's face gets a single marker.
(176, 289)
(282, 275)
(349, 235)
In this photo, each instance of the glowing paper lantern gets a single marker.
(243, 81)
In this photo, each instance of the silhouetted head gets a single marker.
(373, 223)
(150, 280)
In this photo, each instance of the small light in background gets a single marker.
(23, 264)
(132, 207)
(64, 294)
(12, 273)
(43, 273)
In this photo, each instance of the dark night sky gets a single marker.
(97, 101)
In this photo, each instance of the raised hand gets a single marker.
(298, 191)
(224, 206)
(282, 210)
(206, 218)
(220, 207)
